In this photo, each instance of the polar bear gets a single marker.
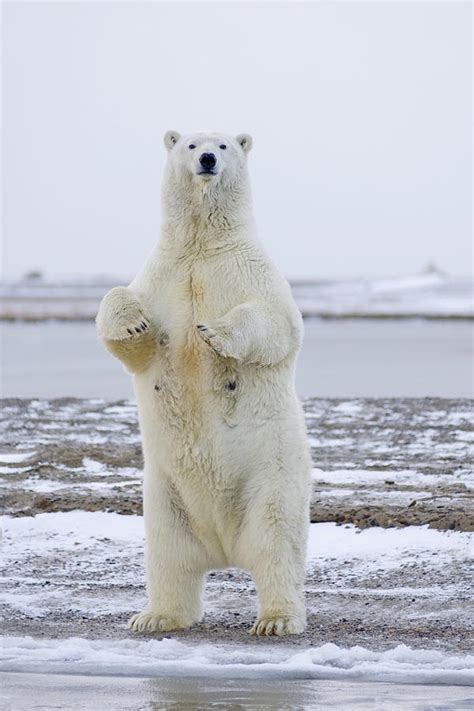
(210, 332)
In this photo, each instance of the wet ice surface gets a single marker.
(34, 691)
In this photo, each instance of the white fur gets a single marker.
(211, 333)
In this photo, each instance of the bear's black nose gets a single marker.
(208, 160)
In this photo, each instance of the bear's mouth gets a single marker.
(207, 172)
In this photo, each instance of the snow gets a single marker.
(93, 467)
(378, 477)
(381, 546)
(111, 591)
(434, 295)
(428, 294)
(14, 470)
(87, 538)
(350, 407)
(170, 657)
(15, 457)
(384, 548)
(67, 530)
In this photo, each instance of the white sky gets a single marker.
(360, 113)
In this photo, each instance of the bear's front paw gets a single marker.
(216, 339)
(156, 622)
(279, 626)
(121, 317)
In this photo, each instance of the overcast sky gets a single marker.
(360, 113)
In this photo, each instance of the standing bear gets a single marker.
(210, 332)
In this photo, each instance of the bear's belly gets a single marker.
(213, 434)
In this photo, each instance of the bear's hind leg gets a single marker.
(273, 549)
(176, 563)
(169, 607)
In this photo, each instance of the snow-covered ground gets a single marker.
(431, 295)
(388, 601)
(377, 462)
(106, 549)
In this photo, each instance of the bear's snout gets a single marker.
(208, 161)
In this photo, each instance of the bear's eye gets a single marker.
(223, 146)
(191, 146)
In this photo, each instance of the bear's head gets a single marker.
(207, 157)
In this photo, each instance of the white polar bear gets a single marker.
(210, 331)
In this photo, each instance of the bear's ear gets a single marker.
(245, 141)
(170, 139)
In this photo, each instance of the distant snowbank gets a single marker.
(429, 295)
(169, 657)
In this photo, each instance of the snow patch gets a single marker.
(14, 470)
(15, 457)
(377, 476)
(385, 548)
(93, 467)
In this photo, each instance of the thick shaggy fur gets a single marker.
(211, 333)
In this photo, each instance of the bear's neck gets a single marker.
(207, 212)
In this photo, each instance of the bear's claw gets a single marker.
(215, 341)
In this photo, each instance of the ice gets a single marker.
(170, 657)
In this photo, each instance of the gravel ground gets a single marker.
(386, 463)
(87, 455)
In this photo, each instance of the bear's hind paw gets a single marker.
(279, 626)
(156, 622)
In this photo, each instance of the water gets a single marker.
(340, 358)
(37, 691)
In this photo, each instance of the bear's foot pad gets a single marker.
(155, 622)
(277, 626)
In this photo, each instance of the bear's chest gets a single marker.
(187, 370)
(190, 292)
